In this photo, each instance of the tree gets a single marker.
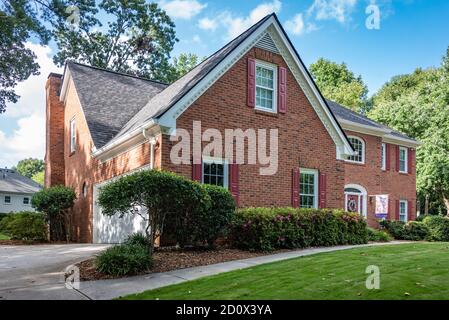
(29, 167)
(339, 84)
(418, 105)
(39, 177)
(182, 65)
(159, 193)
(138, 38)
(55, 202)
(18, 23)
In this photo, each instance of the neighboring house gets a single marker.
(102, 125)
(16, 191)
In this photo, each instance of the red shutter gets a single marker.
(397, 158)
(397, 210)
(322, 190)
(234, 182)
(390, 209)
(387, 156)
(251, 83)
(411, 213)
(197, 171)
(282, 92)
(411, 159)
(295, 187)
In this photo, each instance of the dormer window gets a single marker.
(359, 148)
(266, 84)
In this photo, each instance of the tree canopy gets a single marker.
(29, 167)
(339, 84)
(418, 105)
(137, 39)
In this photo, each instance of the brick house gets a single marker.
(102, 125)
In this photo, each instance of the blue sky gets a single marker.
(413, 33)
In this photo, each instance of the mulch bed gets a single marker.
(174, 259)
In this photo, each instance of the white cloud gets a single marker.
(196, 39)
(208, 24)
(332, 9)
(235, 24)
(296, 24)
(182, 9)
(28, 139)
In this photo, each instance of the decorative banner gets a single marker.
(381, 206)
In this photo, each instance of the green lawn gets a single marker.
(3, 237)
(407, 271)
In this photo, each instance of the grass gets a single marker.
(3, 237)
(407, 271)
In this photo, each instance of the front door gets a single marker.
(354, 202)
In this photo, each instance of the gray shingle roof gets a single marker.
(344, 113)
(13, 182)
(110, 99)
(167, 98)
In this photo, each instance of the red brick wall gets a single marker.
(303, 140)
(54, 148)
(377, 181)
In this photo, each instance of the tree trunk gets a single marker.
(446, 203)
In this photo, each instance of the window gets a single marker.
(266, 84)
(84, 189)
(403, 211)
(215, 172)
(383, 152)
(308, 188)
(7, 200)
(26, 200)
(359, 148)
(403, 159)
(72, 136)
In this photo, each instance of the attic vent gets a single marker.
(267, 43)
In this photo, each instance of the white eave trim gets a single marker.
(65, 84)
(361, 128)
(389, 138)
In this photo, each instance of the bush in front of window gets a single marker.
(394, 228)
(412, 230)
(27, 226)
(267, 229)
(438, 228)
(378, 235)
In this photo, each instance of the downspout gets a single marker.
(152, 141)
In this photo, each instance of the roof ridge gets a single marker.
(118, 73)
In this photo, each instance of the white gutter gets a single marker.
(125, 137)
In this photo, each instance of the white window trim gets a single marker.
(316, 187)
(406, 209)
(274, 68)
(10, 200)
(72, 135)
(383, 153)
(218, 161)
(405, 160)
(363, 150)
(26, 204)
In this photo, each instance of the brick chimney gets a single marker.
(54, 126)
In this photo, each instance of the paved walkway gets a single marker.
(109, 289)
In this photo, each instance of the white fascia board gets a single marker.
(401, 141)
(347, 149)
(168, 119)
(361, 128)
(67, 76)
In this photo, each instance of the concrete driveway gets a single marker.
(37, 272)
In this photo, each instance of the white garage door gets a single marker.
(113, 229)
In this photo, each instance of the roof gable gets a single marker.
(109, 99)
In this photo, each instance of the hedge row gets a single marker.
(28, 226)
(269, 229)
(431, 228)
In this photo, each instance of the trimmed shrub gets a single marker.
(137, 239)
(123, 260)
(28, 226)
(268, 229)
(213, 222)
(438, 228)
(421, 217)
(394, 228)
(2, 215)
(415, 231)
(378, 235)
